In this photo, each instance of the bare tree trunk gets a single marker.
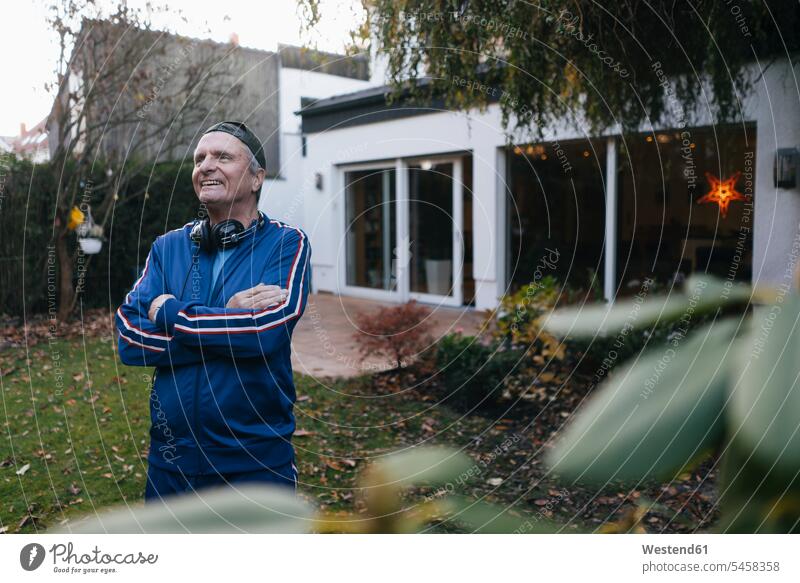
(66, 292)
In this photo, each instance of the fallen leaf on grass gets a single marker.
(339, 464)
(30, 518)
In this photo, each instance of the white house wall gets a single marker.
(297, 83)
(283, 198)
(777, 210)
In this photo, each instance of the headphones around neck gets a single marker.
(223, 235)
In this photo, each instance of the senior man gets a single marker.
(214, 311)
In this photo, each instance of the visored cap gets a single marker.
(245, 135)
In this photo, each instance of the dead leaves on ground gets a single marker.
(14, 332)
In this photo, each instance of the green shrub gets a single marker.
(604, 352)
(27, 204)
(600, 352)
(521, 322)
(472, 375)
(518, 320)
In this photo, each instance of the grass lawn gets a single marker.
(75, 424)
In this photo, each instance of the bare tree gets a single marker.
(127, 97)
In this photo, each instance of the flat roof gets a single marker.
(365, 106)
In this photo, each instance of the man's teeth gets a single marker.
(210, 182)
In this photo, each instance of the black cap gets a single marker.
(243, 133)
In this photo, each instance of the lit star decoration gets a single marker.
(722, 192)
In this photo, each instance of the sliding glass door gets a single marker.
(435, 243)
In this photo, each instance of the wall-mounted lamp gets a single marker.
(785, 171)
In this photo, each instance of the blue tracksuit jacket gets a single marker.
(223, 393)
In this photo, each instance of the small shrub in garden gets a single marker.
(472, 374)
(521, 323)
(399, 333)
(603, 351)
(520, 317)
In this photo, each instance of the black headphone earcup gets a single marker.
(201, 235)
(226, 233)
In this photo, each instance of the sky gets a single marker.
(30, 48)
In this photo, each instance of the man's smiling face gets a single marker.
(221, 175)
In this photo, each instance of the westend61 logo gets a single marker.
(66, 560)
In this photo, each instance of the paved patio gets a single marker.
(323, 344)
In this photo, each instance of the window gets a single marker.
(667, 226)
(556, 212)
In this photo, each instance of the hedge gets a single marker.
(26, 222)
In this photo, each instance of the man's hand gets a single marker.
(155, 304)
(258, 297)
